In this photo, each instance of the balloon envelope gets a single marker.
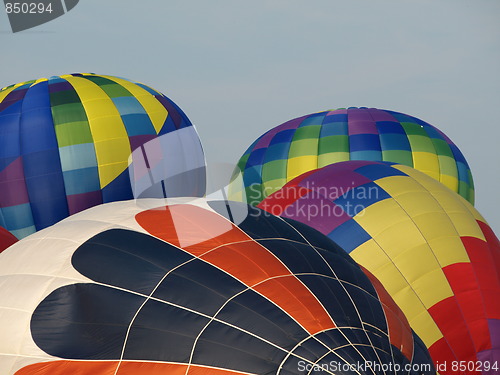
(316, 140)
(66, 141)
(431, 249)
(180, 289)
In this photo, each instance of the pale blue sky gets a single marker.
(239, 68)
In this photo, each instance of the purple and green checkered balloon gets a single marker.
(319, 139)
(65, 144)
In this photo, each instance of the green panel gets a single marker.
(333, 143)
(398, 156)
(62, 114)
(274, 169)
(412, 128)
(305, 132)
(64, 97)
(254, 194)
(421, 143)
(303, 147)
(115, 90)
(332, 158)
(448, 166)
(73, 133)
(243, 162)
(111, 88)
(442, 148)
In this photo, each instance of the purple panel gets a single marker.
(337, 112)
(317, 212)
(12, 186)
(380, 115)
(492, 357)
(12, 97)
(494, 325)
(359, 114)
(60, 86)
(138, 140)
(266, 139)
(80, 202)
(362, 127)
(172, 111)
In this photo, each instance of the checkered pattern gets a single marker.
(65, 143)
(324, 138)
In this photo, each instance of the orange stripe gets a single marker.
(198, 231)
(126, 368)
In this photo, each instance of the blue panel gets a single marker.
(366, 155)
(457, 154)
(284, 136)
(127, 105)
(394, 142)
(24, 232)
(256, 157)
(277, 152)
(316, 119)
(336, 118)
(463, 174)
(391, 127)
(349, 235)
(252, 176)
(364, 142)
(138, 124)
(377, 171)
(120, 189)
(78, 156)
(17, 217)
(9, 136)
(79, 181)
(334, 128)
(361, 197)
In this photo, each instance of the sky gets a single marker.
(239, 68)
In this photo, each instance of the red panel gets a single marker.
(126, 368)
(277, 202)
(443, 357)
(493, 243)
(451, 322)
(217, 241)
(6, 239)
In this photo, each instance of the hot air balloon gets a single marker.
(316, 140)
(147, 288)
(65, 144)
(433, 252)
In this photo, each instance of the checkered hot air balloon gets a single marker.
(316, 140)
(65, 144)
(433, 252)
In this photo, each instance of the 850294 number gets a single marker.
(28, 8)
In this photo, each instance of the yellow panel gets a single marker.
(434, 225)
(155, 110)
(301, 164)
(432, 288)
(107, 128)
(380, 216)
(408, 301)
(331, 158)
(450, 182)
(425, 327)
(449, 250)
(427, 163)
(416, 261)
(370, 255)
(390, 278)
(107, 151)
(465, 225)
(397, 185)
(416, 203)
(401, 235)
(6, 92)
